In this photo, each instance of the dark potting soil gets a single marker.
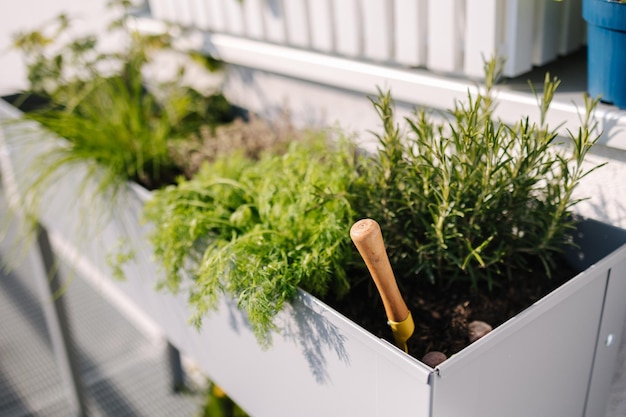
(442, 315)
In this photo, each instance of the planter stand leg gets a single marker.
(49, 285)
(176, 368)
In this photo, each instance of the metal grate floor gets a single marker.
(124, 373)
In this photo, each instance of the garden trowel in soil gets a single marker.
(368, 239)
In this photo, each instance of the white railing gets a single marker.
(449, 36)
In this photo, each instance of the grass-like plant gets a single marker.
(259, 230)
(99, 102)
(471, 198)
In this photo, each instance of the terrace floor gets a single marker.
(124, 373)
(124, 369)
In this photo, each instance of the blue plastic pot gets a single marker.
(606, 50)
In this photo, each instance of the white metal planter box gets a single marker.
(555, 358)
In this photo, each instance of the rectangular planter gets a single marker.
(553, 359)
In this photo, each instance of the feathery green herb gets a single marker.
(258, 231)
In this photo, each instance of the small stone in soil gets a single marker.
(434, 358)
(477, 329)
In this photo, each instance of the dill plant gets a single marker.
(472, 199)
(259, 230)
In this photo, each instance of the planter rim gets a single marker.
(10, 110)
(607, 14)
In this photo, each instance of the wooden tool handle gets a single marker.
(368, 239)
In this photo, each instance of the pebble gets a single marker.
(434, 358)
(477, 329)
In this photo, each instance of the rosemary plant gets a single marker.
(257, 231)
(473, 199)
